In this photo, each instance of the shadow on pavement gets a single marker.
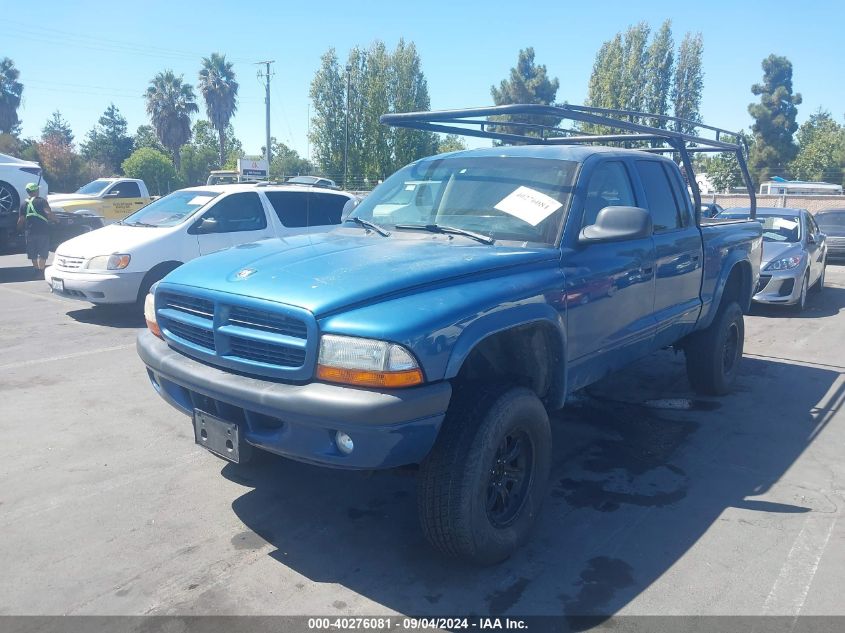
(633, 488)
(16, 274)
(116, 316)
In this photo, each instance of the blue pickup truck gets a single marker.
(437, 326)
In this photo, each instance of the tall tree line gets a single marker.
(640, 72)
(374, 81)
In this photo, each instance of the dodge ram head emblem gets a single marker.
(246, 272)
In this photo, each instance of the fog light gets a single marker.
(344, 443)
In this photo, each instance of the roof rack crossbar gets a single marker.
(448, 122)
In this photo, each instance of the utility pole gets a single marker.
(267, 76)
(346, 143)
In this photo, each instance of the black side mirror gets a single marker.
(618, 223)
(204, 226)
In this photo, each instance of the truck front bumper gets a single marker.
(94, 287)
(301, 422)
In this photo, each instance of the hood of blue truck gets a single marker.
(327, 272)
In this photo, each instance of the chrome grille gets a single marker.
(66, 262)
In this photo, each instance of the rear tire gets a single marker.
(481, 487)
(713, 354)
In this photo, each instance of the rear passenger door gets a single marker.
(306, 211)
(678, 250)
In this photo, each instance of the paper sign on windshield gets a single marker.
(528, 205)
(780, 223)
(200, 200)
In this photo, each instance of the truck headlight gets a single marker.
(108, 262)
(783, 264)
(366, 362)
(150, 314)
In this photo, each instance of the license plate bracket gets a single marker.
(58, 285)
(217, 436)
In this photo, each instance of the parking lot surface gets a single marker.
(660, 503)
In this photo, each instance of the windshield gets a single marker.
(831, 221)
(171, 209)
(776, 228)
(504, 197)
(94, 187)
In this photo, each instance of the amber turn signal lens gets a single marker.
(356, 377)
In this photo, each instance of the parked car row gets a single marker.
(120, 262)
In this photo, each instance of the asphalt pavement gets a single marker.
(661, 502)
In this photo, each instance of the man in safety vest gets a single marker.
(35, 215)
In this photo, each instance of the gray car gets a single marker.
(794, 255)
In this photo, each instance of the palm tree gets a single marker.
(220, 91)
(10, 95)
(170, 104)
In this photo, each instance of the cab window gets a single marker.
(660, 201)
(609, 186)
(125, 190)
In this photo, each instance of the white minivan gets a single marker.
(119, 262)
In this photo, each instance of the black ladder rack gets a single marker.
(475, 122)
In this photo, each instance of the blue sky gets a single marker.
(78, 57)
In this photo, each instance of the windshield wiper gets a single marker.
(439, 228)
(137, 224)
(369, 225)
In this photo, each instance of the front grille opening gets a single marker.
(190, 333)
(786, 288)
(268, 353)
(267, 321)
(259, 421)
(191, 305)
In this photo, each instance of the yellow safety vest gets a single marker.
(31, 211)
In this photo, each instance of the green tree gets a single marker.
(527, 83)
(634, 66)
(220, 91)
(821, 149)
(409, 89)
(57, 131)
(774, 120)
(605, 87)
(11, 91)
(145, 136)
(287, 162)
(200, 156)
(688, 83)
(328, 94)
(723, 169)
(170, 105)
(154, 168)
(450, 143)
(658, 73)
(108, 143)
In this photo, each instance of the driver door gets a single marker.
(610, 286)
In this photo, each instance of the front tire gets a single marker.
(483, 484)
(799, 305)
(713, 354)
(819, 285)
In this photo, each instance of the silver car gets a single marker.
(794, 255)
